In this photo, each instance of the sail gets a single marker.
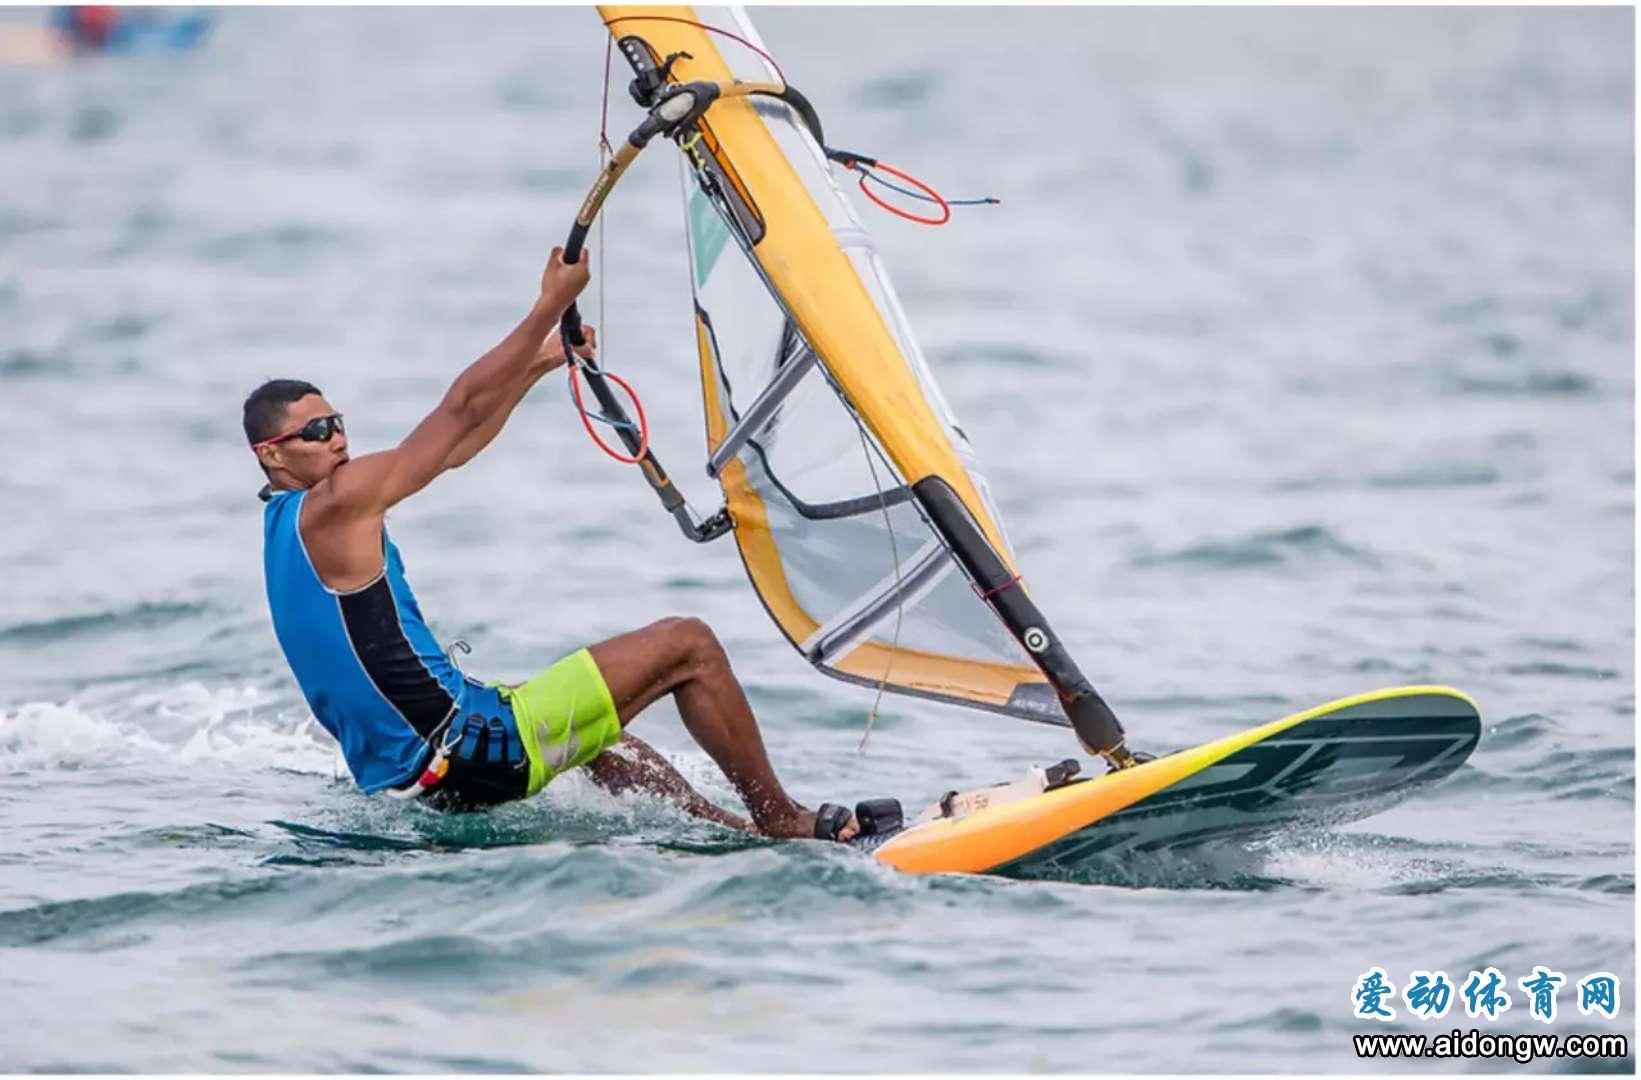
(825, 427)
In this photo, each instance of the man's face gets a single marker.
(306, 462)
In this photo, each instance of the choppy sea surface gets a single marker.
(1300, 353)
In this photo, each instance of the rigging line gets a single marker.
(571, 362)
(603, 249)
(587, 417)
(900, 594)
(868, 174)
(588, 414)
(864, 164)
(605, 152)
(604, 111)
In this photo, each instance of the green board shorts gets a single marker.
(565, 717)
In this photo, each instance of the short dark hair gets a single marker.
(265, 407)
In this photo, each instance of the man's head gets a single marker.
(297, 436)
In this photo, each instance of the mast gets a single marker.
(1096, 725)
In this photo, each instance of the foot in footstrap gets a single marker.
(830, 820)
(879, 816)
(874, 816)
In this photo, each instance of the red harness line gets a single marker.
(586, 417)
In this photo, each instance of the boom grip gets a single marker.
(569, 327)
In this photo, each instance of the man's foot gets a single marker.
(834, 822)
(871, 818)
(801, 824)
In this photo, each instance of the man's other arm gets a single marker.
(373, 483)
(548, 359)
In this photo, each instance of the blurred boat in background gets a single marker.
(77, 29)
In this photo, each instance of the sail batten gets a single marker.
(904, 588)
(792, 369)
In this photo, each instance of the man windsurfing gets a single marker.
(408, 721)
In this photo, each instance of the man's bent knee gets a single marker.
(693, 638)
(684, 628)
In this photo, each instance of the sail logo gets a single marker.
(708, 234)
(1035, 638)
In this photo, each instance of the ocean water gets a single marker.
(1300, 353)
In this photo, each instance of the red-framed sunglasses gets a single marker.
(319, 429)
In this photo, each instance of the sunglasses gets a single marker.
(319, 429)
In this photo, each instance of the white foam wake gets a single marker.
(189, 724)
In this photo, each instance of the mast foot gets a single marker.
(1120, 757)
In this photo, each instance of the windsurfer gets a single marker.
(408, 721)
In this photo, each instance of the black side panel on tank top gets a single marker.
(372, 621)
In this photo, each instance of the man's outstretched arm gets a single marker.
(549, 358)
(373, 483)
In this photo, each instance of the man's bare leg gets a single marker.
(634, 765)
(682, 657)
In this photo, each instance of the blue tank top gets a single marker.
(368, 665)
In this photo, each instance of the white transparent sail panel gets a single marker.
(821, 178)
(945, 623)
(839, 538)
(827, 513)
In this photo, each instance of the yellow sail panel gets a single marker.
(816, 280)
(983, 682)
(752, 535)
(791, 304)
